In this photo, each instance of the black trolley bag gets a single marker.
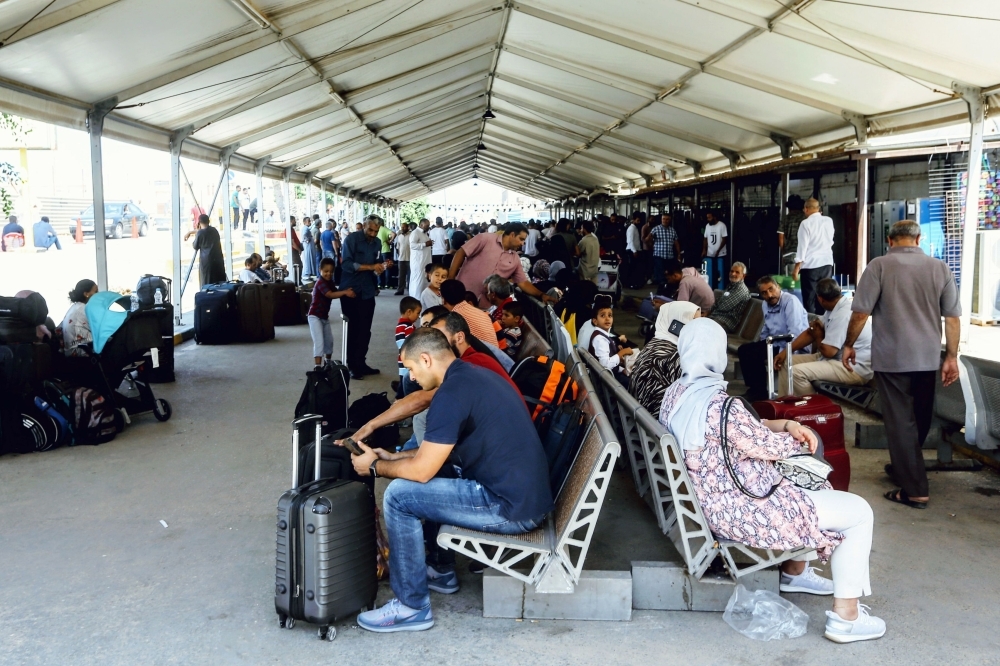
(286, 305)
(255, 312)
(216, 321)
(325, 568)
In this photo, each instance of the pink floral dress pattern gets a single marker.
(784, 521)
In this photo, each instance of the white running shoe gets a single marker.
(865, 628)
(807, 582)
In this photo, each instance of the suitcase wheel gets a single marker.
(327, 633)
(281, 620)
(287, 623)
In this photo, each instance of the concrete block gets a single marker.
(503, 596)
(870, 436)
(660, 586)
(600, 595)
(667, 586)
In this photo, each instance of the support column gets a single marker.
(309, 207)
(95, 127)
(176, 140)
(286, 174)
(258, 172)
(322, 202)
(227, 210)
(731, 244)
(977, 117)
(863, 233)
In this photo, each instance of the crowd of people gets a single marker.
(461, 321)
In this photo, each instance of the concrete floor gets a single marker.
(92, 577)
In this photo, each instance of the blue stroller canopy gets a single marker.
(104, 321)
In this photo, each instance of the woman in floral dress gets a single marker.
(836, 524)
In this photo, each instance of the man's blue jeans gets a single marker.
(460, 502)
(716, 272)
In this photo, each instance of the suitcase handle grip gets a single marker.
(295, 444)
(788, 337)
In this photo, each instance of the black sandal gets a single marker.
(900, 497)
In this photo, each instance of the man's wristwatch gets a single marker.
(372, 471)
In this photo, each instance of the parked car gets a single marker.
(118, 216)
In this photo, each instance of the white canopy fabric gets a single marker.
(386, 97)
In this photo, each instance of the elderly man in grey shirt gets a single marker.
(907, 293)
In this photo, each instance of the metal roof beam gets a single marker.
(291, 122)
(54, 19)
(279, 152)
(348, 59)
(417, 74)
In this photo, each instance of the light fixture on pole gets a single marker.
(482, 146)
(488, 115)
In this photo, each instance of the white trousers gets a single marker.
(418, 279)
(322, 336)
(850, 515)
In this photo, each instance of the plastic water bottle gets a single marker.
(135, 301)
(158, 297)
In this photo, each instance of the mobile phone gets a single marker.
(352, 446)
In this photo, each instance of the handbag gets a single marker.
(803, 470)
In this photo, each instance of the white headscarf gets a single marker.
(682, 311)
(702, 349)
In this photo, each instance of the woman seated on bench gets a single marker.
(836, 524)
(658, 364)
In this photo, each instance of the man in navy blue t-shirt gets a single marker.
(478, 426)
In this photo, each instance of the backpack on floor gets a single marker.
(93, 419)
(367, 407)
(544, 382)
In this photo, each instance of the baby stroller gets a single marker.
(121, 356)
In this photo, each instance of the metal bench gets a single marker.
(865, 396)
(552, 557)
(749, 328)
(532, 343)
(985, 379)
(664, 473)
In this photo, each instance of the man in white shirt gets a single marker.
(402, 243)
(420, 256)
(814, 255)
(439, 235)
(633, 239)
(248, 274)
(714, 250)
(827, 336)
(530, 243)
(550, 230)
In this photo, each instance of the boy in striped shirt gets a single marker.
(409, 312)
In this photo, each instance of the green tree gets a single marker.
(412, 212)
(10, 177)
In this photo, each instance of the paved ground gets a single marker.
(92, 577)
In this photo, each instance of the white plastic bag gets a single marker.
(764, 616)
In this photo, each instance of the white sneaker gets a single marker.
(865, 628)
(807, 582)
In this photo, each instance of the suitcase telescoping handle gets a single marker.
(295, 445)
(343, 338)
(769, 343)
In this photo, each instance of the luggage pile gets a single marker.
(234, 312)
(330, 549)
(48, 400)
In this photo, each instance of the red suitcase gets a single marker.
(815, 411)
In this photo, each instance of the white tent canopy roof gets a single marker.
(385, 97)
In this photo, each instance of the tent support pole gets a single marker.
(176, 140)
(977, 117)
(95, 127)
(862, 244)
(227, 210)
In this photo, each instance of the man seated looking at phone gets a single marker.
(476, 425)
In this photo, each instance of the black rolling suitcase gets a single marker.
(215, 318)
(326, 563)
(286, 305)
(255, 309)
(161, 369)
(305, 302)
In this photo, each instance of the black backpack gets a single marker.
(367, 407)
(561, 429)
(145, 291)
(325, 393)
